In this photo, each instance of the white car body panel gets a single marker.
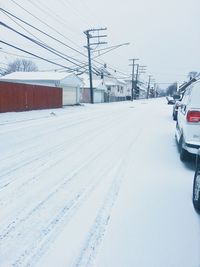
(190, 131)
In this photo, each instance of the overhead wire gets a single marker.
(39, 43)
(47, 11)
(54, 37)
(35, 28)
(70, 47)
(30, 53)
(85, 64)
(46, 33)
(50, 27)
(76, 11)
(18, 55)
(21, 26)
(48, 48)
(88, 9)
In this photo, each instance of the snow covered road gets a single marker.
(96, 185)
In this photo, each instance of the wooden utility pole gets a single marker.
(136, 81)
(89, 36)
(133, 77)
(148, 87)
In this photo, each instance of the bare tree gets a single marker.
(21, 65)
(172, 89)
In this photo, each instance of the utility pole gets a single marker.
(136, 93)
(148, 88)
(140, 69)
(133, 76)
(155, 89)
(89, 35)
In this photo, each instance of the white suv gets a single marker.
(188, 122)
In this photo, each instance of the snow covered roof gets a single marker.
(111, 83)
(44, 78)
(96, 82)
(54, 76)
(122, 81)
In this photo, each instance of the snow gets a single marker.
(97, 83)
(96, 185)
(36, 75)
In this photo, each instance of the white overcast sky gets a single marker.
(164, 34)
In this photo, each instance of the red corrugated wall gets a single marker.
(86, 95)
(21, 97)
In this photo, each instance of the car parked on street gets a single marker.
(188, 122)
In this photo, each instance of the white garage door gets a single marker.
(69, 96)
(98, 96)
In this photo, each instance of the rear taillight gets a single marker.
(193, 116)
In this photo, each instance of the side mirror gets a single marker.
(178, 104)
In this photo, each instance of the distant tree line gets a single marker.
(172, 89)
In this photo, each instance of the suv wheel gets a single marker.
(184, 155)
(196, 191)
(174, 117)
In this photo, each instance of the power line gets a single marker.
(50, 49)
(50, 13)
(76, 11)
(102, 64)
(82, 66)
(17, 55)
(32, 54)
(21, 26)
(38, 57)
(50, 36)
(8, 13)
(35, 28)
(52, 28)
(88, 9)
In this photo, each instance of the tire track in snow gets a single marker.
(56, 220)
(95, 236)
(102, 218)
(17, 190)
(35, 158)
(68, 124)
(45, 154)
(67, 179)
(50, 232)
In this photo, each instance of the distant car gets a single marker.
(188, 122)
(196, 185)
(170, 100)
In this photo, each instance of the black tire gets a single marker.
(196, 191)
(174, 117)
(184, 155)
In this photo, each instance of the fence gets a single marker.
(21, 97)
